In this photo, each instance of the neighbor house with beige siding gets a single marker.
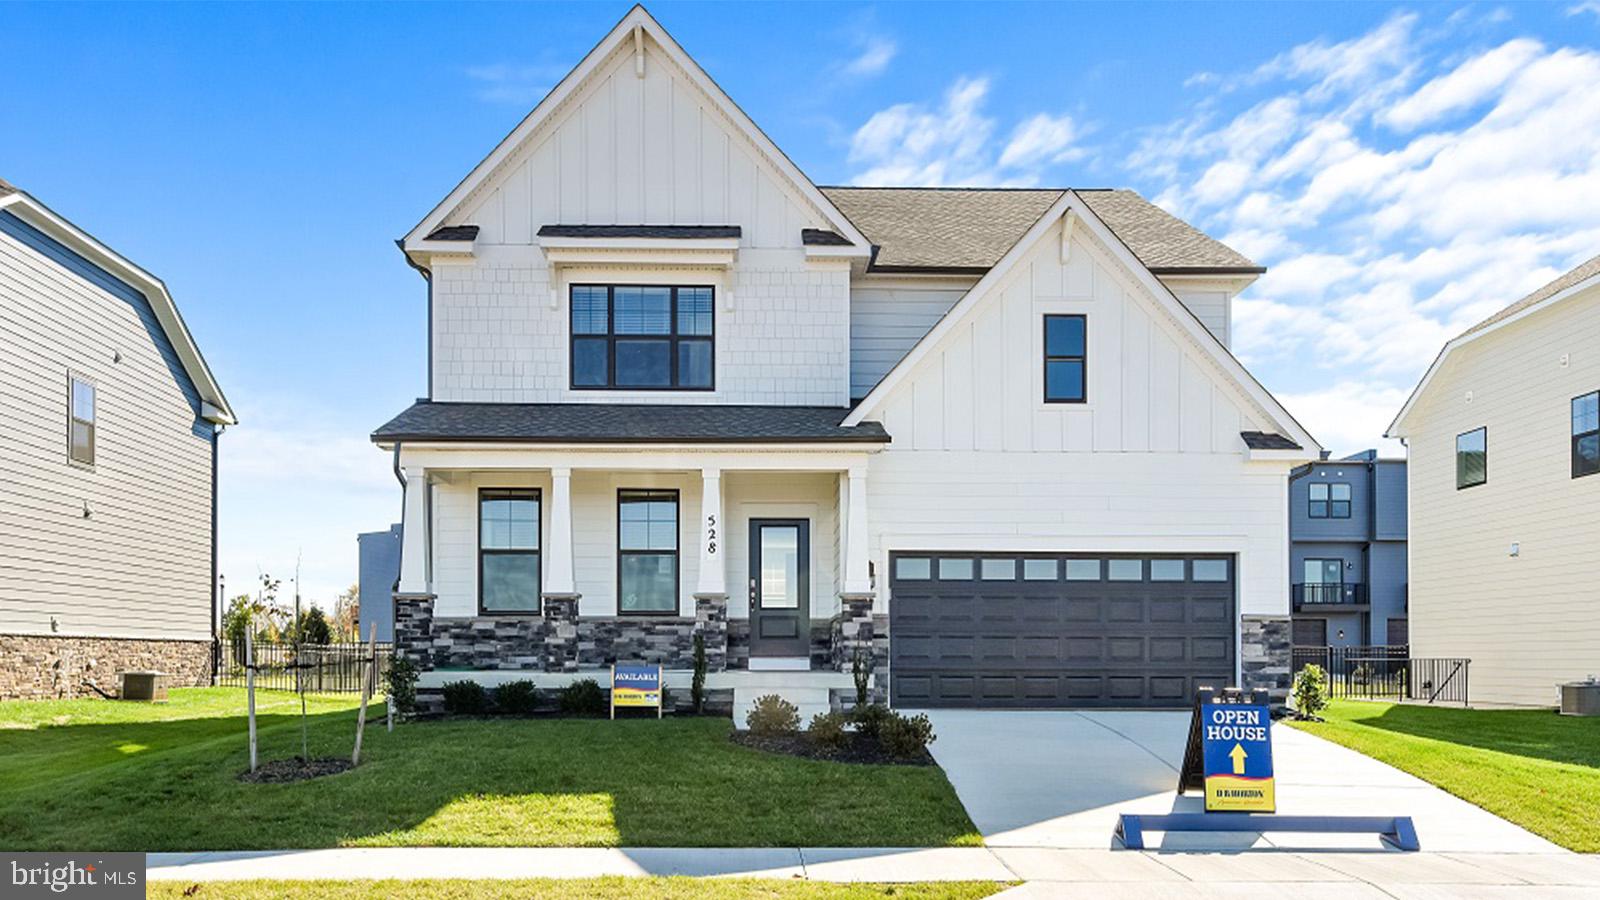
(989, 443)
(108, 462)
(1503, 437)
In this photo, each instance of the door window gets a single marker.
(780, 567)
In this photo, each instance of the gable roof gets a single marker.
(624, 423)
(213, 405)
(970, 229)
(1585, 275)
(1070, 201)
(637, 22)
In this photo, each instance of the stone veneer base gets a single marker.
(44, 667)
(1265, 655)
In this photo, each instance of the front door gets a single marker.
(780, 587)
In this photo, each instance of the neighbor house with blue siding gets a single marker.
(1347, 554)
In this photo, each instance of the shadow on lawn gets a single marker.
(1533, 733)
(172, 786)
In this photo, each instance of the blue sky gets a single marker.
(1402, 169)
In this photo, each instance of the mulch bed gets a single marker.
(860, 749)
(284, 771)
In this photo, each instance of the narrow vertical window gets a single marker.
(1319, 501)
(1340, 502)
(80, 422)
(1065, 356)
(508, 551)
(1586, 435)
(1472, 458)
(647, 552)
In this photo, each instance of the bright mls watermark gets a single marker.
(100, 875)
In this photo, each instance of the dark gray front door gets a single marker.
(1059, 630)
(780, 587)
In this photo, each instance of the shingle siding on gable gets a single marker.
(140, 565)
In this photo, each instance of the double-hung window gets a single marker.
(1472, 458)
(508, 551)
(647, 552)
(1065, 359)
(1330, 501)
(1586, 435)
(642, 337)
(80, 421)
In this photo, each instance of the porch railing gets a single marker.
(320, 668)
(1388, 672)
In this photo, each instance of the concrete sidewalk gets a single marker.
(1048, 872)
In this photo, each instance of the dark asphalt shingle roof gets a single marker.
(1583, 272)
(6, 188)
(453, 233)
(971, 228)
(1266, 440)
(681, 232)
(623, 423)
(821, 237)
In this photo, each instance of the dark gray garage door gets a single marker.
(1058, 630)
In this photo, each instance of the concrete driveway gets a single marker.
(1059, 779)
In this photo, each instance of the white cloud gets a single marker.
(1470, 83)
(950, 143)
(876, 54)
(1590, 7)
(1350, 416)
(522, 85)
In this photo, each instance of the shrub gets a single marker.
(583, 698)
(827, 730)
(861, 673)
(400, 683)
(697, 687)
(905, 736)
(772, 714)
(516, 698)
(465, 698)
(869, 718)
(1310, 692)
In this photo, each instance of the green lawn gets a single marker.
(577, 889)
(1533, 767)
(124, 776)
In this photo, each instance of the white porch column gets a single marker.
(856, 581)
(414, 536)
(558, 579)
(713, 581)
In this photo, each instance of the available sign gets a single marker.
(635, 686)
(1230, 752)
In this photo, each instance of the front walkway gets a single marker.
(1059, 779)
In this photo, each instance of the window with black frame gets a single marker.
(1586, 435)
(1330, 500)
(643, 337)
(1472, 458)
(1065, 359)
(647, 552)
(508, 551)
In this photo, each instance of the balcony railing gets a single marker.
(1329, 594)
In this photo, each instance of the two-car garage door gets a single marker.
(1058, 630)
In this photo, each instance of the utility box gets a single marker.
(148, 686)
(1580, 698)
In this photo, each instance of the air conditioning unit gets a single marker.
(1580, 698)
(144, 686)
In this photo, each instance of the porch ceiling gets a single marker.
(624, 423)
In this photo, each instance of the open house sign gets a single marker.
(1237, 741)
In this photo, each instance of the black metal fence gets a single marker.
(318, 668)
(1387, 672)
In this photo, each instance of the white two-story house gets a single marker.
(990, 442)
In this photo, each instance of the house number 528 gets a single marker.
(711, 535)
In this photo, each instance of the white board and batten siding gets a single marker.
(1152, 462)
(139, 566)
(629, 151)
(1531, 621)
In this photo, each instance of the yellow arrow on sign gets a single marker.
(1238, 755)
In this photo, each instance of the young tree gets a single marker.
(347, 614)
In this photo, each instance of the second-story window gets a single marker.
(1065, 355)
(80, 421)
(1472, 458)
(642, 337)
(1586, 435)
(1330, 501)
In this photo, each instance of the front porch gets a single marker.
(794, 548)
